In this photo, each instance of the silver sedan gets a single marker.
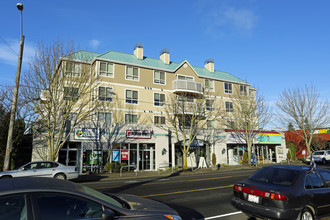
(43, 169)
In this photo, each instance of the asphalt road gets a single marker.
(202, 196)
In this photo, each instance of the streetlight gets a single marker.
(9, 146)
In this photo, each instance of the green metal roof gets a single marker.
(152, 63)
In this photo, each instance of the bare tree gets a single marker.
(305, 110)
(245, 114)
(185, 115)
(58, 86)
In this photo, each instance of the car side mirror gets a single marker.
(21, 169)
(108, 214)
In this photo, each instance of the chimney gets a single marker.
(138, 51)
(209, 65)
(165, 55)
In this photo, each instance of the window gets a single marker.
(13, 207)
(132, 73)
(159, 99)
(106, 69)
(71, 93)
(209, 105)
(105, 93)
(229, 107)
(313, 181)
(185, 98)
(130, 118)
(159, 120)
(243, 90)
(72, 69)
(131, 97)
(104, 116)
(209, 84)
(228, 88)
(211, 124)
(64, 206)
(185, 77)
(159, 77)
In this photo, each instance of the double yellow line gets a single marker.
(188, 191)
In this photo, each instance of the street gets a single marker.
(202, 196)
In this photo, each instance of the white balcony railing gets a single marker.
(181, 85)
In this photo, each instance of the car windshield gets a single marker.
(100, 195)
(277, 176)
(318, 153)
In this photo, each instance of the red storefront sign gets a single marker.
(124, 154)
(138, 134)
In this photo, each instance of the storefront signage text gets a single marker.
(124, 154)
(138, 134)
(85, 134)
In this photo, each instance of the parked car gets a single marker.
(320, 156)
(43, 169)
(53, 199)
(284, 192)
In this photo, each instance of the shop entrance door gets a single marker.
(68, 154)
(146, 156)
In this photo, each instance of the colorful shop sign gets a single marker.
(85, 134)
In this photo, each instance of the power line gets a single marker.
(9, 46)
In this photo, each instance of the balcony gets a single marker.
(187, 86)
(188, 108)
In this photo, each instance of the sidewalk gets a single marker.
(167, 173)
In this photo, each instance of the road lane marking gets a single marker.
(221, 216)
(187, 191)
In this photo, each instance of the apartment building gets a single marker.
(131, 122)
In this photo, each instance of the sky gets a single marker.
(272, 44)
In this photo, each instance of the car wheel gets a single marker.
(6, 177)
(324, 161)
(306, 214)
(60, 176)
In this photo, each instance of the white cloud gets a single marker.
(94, 44)
(9, 51)
(222, 18)
(240, 18)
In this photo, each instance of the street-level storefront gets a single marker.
(267, 147)
(137, 149)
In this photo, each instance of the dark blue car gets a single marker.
(284, 192)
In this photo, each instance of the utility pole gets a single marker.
(9, 146)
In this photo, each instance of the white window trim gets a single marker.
(232, 109)
(138, 80)
(224, 87)
(160, 116)
(137, 118)
(210, 90)
(99, 66)
(137, 98)
(97, 117)
(177, 77)
(213, 105)
(98, 93)
(164, 77)
(70, 73)
(160, 102)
